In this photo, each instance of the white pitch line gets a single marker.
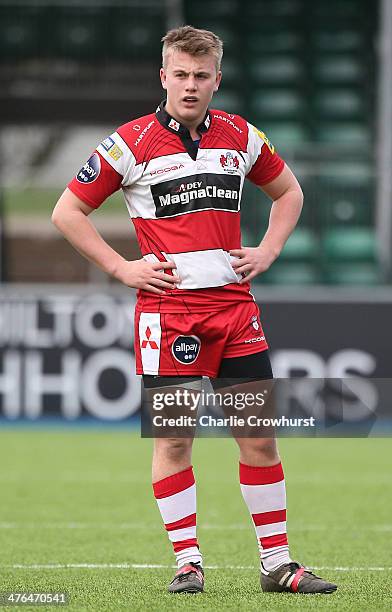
(154, 566)
(207, 526)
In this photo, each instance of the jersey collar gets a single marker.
(175, 127)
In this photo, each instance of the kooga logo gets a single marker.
(195, 193)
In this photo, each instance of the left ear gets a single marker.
(218, 80)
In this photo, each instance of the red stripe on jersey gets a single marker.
(266, 518)
(174, 484)
(187, 521)
(266, 168)
(227, 131)
(255, 475)
(177, 546)
(198, 231)
(93, 194)
(280, 539)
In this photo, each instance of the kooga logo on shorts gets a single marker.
(197, 192)
(186, 349)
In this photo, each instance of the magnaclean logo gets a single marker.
(209, 191)
(143, 133)
(168, 169)
(193, 191)
(186, 349)
(90, 171)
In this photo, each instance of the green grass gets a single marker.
(79, 496)
(40, 202)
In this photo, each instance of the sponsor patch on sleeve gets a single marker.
(115, 152)
(108, 143)
(90, 171)
(112, 148)
(265, 140)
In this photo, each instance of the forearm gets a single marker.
(285, 212)
(77, 228)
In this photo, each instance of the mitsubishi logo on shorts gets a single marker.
(148, 342)
(186, 349)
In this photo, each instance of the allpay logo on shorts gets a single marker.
(186, 349)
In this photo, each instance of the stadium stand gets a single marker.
(308, 81)
(302, 71)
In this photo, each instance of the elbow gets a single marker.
(55, 218)
(300, 197)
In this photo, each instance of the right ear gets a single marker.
(162, 74)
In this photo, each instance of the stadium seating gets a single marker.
(291, 273)
(300, 70)
(349, 256)
(349, 244)
(354, 274)
(301, 246)
(21, 32)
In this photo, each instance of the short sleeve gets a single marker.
(264, 163)
(104, 172)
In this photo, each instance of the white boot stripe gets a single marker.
(282, 580)
(290, 580)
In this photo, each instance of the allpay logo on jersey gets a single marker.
(197, 192)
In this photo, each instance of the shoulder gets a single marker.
(231, 124)
(135, 131)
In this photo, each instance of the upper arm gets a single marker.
(286, 181)
(69, 202)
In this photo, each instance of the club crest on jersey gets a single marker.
(90, 171)
(174, 125)
(185, 349)
(254, 322)
(229, 162)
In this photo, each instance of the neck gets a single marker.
(191, 125)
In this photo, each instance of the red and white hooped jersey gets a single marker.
(184, 199)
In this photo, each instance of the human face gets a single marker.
(190, 83)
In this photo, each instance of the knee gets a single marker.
(265, 448)
(173, 448)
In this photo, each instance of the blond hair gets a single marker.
(194, 42)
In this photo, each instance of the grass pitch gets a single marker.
(77, 504)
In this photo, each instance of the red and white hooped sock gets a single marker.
(176, 499)
(264, 492)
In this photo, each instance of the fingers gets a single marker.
(237, 253)
(157, 282)
(169, 279)
(162, 265)
(248, 278)
(240, 262)
(244, 268)
(153, 289)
